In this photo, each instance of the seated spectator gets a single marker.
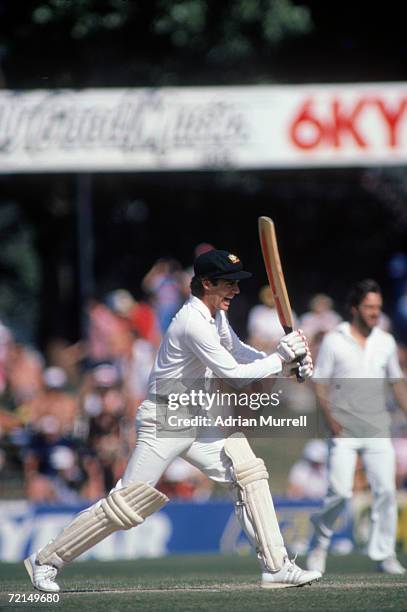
(264, 327)
(136, 362)
(321, 316)
(39, 468)
(8, 421)
(137, 372)
(25, 369)
(59, 473)
(104, 425)
(184, 481)
(109, 335)
(51, 400)
(139, 315)
(308, 476)
(67, 474)
(63, 354)
(163, 282)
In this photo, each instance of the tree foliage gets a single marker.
(53, 43)
(19, 271)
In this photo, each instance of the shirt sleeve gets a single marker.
(325, 363)
(243, 353)
(202, 340)
(394, 370)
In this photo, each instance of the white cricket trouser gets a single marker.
(155, 451)
(379, 462)
(153, 454)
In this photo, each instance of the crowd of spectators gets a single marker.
(67, 415)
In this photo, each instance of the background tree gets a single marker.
(60, 43)
(19, 272)
(148, 43)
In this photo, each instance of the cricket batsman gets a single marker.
(198, 339)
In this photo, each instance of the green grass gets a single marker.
(209, 583)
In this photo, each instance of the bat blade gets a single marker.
(271, 257)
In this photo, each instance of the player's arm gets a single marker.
(396, 379)
(324, 405)
(399, 388)
(244, 353)
(324, 369)
(201, 341)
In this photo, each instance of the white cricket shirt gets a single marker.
(195, 342)
(362, 399)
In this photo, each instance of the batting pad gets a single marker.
(121, 509)
(252, 478)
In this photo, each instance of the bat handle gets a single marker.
(300, 379)
(288, 329)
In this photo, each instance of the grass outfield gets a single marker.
(210, 583)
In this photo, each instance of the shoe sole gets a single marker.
(28, 567)
(284, 585)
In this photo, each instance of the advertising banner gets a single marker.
(201, 128)
(179, 528)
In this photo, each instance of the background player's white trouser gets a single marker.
(379, 462)
(154, 453)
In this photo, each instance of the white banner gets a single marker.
(203, 128)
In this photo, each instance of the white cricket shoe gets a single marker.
(391, 566)
(290, 575)
(316, 560)
(42, 576)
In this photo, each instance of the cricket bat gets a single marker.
(275, 275)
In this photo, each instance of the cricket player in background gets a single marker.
(198, 339)
(355, 413)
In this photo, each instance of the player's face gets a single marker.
(219, 296)
(368, 312)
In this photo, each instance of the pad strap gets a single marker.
(121, 509)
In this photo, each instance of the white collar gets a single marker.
(201, 307)
(344, 328)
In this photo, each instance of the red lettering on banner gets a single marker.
(306, 121)
(392, 118)
(308, 131)
(344, 122)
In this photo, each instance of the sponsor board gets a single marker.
(179, 528)
(198, 128)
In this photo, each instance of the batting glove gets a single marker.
(306, 366)
(292, 347)
(302, 368)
